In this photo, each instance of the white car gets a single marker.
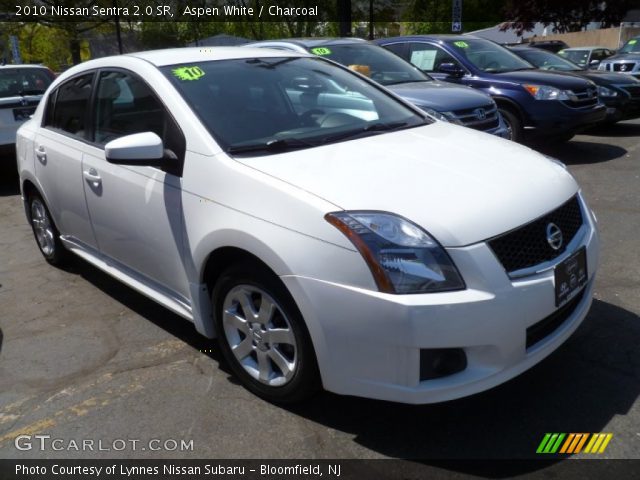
(326, 231)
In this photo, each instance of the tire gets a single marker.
(514, 125)
(45, 232)
(281, 372)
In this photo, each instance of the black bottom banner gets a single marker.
(315, 469)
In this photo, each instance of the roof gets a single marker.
(508, 36)
(316, 41)
(172, 56)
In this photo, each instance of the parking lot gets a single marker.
(84, 357)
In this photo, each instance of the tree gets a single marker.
(565, 15)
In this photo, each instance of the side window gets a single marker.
(68, 110)
(428, 57)
(397, 48)
(48, 113)
(125, 105)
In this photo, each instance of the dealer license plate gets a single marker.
(570, 277)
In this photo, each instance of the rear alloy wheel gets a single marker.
(45, 232)
(262, 336)
(513, 124)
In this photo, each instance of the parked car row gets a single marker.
(443, 100)
(525, 95)
(459, 79)
(326, 231)
(620, 93)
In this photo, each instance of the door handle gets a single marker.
(41, 154)
(92, 176)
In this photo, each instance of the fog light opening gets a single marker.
(441, 362)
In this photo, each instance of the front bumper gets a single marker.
(368, 343)
(556, 118)
(622, 107)
(501, 130)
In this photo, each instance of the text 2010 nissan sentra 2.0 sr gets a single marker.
(328, 233)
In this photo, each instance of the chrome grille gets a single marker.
(586, 97)
(480, 118)
(623, 66)
(527, 245)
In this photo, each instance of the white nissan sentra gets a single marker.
(325, 231)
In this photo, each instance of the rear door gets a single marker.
(59, 146)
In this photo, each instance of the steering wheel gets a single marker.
(337, 119)
(307, 117)
(492, 65)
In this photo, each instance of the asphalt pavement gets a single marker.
(84, 357)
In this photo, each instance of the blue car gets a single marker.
(443, 100)
(536, 102)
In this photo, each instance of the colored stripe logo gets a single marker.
(573, 443)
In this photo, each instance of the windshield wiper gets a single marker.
(260, 62)
(373, 127)
(275, 145)
(399, 82)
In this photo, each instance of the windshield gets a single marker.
(488, 56)
(547, 60)
(632, 46)
(269, 104)
(23, 81)
(580, 57)
(381, 65)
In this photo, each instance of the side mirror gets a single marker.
(451, 69)
(594, 63)
(140, 149)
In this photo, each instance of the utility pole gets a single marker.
(344, 17)
(456, 16)
(118, 33)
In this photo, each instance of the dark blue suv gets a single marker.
(542, 103)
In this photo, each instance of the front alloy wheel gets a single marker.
(45, 231)
(259, 335)
(262, 335)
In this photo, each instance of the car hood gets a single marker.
(607, 78)
(545, 77)
(441, 96)
(460, 185)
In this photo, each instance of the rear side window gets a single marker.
(71, 106)
(397, 48)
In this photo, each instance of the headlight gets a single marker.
(545, 92)
(606, 92)
(402, 257)
(434, 114)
